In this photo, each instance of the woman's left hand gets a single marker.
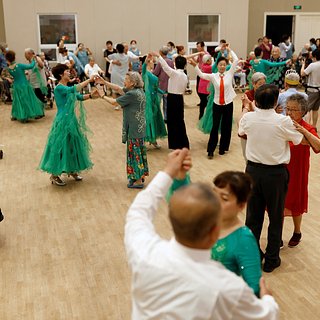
(299, 127)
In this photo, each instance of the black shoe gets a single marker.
(1, 216)
(281, 245)
(295, 239)
(269, 267)
(221, 152)
(210, 155)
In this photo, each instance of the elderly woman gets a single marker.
(133, 101)
(83, 54)
(297, 197)
(258, 79)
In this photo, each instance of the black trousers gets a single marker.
(197, 85)
(177, 134)
(40, 95)
(270, 185)
(203, 103)
(221, 114)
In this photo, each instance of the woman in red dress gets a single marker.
(297, 197)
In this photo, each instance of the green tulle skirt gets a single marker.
(67, 148)
(155, 127)
(25, 104)
(205, 123)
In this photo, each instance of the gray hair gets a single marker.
(301, 100)
(164, 50)
(29, 50)
(136, 79)
(258, 76)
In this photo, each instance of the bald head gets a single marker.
(194, 211)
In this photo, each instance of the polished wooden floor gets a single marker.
(61, 248)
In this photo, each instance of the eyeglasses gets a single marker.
(293, 110)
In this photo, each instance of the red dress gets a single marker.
(297, 196)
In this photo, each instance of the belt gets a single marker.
(261, 165)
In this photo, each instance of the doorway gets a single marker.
(277, 26)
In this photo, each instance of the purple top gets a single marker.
(163, 77)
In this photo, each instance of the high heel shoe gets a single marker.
(57, 181)
(75, 176)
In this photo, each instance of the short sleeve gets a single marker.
(309, 69)
(125, 100)
(242, 123)
(290, 132)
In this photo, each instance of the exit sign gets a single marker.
(297, 7)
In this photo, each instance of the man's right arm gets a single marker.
(139, 228)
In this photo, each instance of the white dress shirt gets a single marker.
(229, 93)
(173, 282)
(313, 73)
(268, 134)
(178, 80)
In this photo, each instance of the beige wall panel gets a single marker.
(2, 30)
(258, 8)
(151, 23)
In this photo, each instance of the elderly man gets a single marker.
(313, 85)
(275, 57)
(163, 79)
(268, 152)
(176, 279)
(37, 82)
(292, 80)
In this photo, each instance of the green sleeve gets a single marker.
(176, 184)
(79, 96)
(27, 66)
(214, 66)
(273, 64)
(144, 70)
(248, 259)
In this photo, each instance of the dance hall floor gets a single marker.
(61, 248)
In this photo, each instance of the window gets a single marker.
(54, 26)
(204, 28)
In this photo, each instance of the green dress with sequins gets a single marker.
(239, 253)
(67, 149)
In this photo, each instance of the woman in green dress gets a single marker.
(133, 101)
(236, 248)
(25, 104)
(155, 127)
(67, 149)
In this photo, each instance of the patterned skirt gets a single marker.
(137, 164)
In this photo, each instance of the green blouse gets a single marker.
(133, 103)
(239, 253)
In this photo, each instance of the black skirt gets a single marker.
(177, 134)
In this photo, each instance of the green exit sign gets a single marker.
(297, 7)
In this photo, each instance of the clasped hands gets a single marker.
(178, 164)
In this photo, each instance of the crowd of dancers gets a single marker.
(276, 130)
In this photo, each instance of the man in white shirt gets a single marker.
(313, 88)
(176, 279)
(268, 152)
(177, 84)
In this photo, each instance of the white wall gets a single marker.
(151, 23)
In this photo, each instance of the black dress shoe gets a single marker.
(210, 155)
(221, 152)
(269, 267)
(1, 216)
